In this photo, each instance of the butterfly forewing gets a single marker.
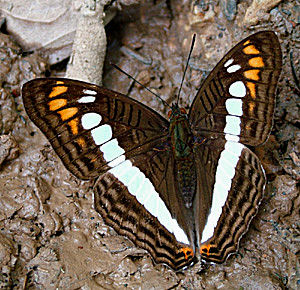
(79, 118)
(238, 96)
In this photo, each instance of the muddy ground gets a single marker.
(50, 235)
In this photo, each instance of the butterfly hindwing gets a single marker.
(232, 186)
(158, 166)
(120, 210)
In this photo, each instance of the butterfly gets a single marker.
(181, 188)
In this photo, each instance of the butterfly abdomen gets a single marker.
(186, 178)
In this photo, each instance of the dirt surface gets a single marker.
(50, 235)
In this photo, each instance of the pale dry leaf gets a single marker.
(48, 25)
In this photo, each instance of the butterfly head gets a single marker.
(176, 112)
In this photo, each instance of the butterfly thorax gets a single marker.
(182, 148)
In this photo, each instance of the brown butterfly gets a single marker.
(176, 187)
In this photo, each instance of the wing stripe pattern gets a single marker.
(125, 172)
(217, 91)
(203, 102)
(237, 212)
(119, 209)
(224, 175)
(232, 210)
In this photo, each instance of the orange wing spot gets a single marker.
(59, 82)
(81, 142)
(204, 249)
(256, 62)
(251, 87)
(67, 113)
(251, 49)
(56, 91)
(188, 252)
(252, 74)
(74, 126)
(251, 106)
(246, 42)
(57, 104)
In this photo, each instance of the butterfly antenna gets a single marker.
(118, 68)
(191, 49)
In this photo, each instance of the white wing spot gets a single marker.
(225, 173)
(116, 161)
(232, 125)
(89, 92)
(87, 99)
(233, 138)
(111, 150)
(90, 120)
(234, 107)
(136, 184)
(101, 134)
(237, 89)
(228, 62)
(233, 68)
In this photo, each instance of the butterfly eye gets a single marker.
(182, 111)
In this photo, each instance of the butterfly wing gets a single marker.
(82, 121)
(120, 209)
(98, 132)
(240, 91)
(234, 106)
(158, 166)
(233, 183)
